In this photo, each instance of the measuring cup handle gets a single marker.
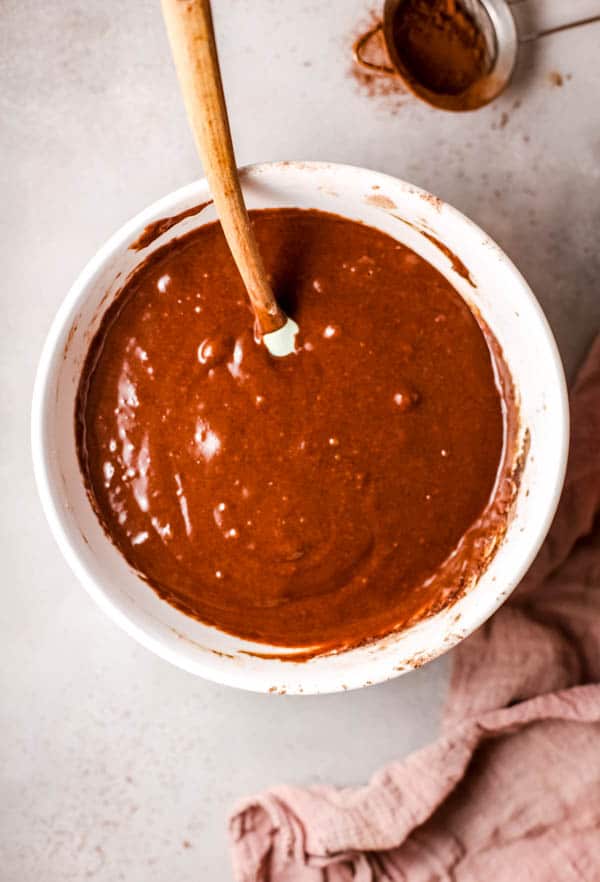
(361, 44)
(529, 38)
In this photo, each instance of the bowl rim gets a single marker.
(230, 674)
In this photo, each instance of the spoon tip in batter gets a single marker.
(282, 342)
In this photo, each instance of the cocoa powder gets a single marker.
(440, 45)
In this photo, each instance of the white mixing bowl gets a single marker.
(507, 305)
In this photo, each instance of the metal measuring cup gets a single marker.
(497, 25)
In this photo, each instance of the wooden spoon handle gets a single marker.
(190, 29)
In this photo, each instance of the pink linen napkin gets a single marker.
(510, 792)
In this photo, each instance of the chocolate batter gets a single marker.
(316, 500)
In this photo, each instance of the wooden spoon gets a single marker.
(192, 38)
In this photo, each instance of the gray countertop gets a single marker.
(115, 765)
